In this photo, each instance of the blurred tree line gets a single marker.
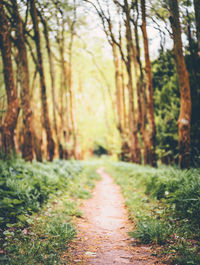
(154, 104)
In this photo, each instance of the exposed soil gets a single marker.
(103, 231)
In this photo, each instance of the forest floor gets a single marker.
(102, 236)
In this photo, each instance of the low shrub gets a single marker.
(164, 205)
(42, 238)
(25, 187)
(152, 231)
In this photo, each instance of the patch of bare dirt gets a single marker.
(103, 231)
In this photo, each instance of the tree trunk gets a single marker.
(37, 147)
(22, 60)
(118, 87)
(141, 97)
(123, 96)
(149, 92)
(185, 97)
(134, 142)
(197, 18)
(65, 131)
(52, 72)
(72, 105)
(10, 121)
(120, 99)
(53, 83)
(45, 110)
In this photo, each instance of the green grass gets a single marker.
(164, 206)
(40, 235)
(152, 231)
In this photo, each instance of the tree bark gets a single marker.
(118, 87)
(185, 97)
(142, 112)
(22, 61)
(45, 110)
(65, 130)
(10, 120)
(134, 142)
(149, 92)
(52, 72)
(53, 84)
(72, 105)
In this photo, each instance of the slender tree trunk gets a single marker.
(118, 87)
(45, 110)
(197, 18)
(185, 97)
(65, 131)
(10, 120)
(134, 145)
(120, 99)
(123, 97)
(65, 117)
(72, 105)
(22, 60)
(149, 92)
(141, 97)
(52, 74)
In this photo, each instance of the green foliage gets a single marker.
(181, 189)
(41, 238)
(41, 243)
(163, 204)
(185, 253)
(166, 102)
(25, 187)
(152, 231)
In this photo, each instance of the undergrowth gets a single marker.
(164, 205)
(38, 202)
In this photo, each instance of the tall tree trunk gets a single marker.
(120, 100)
(72, 105)
(10, 120)
(118, 87)
(22, 60)
(185, 97)
(134, 145)
(141, 96)
(123, 96)
(149, 92)
(52, 75)
(45, 110)
(65, 131)
(197, 18)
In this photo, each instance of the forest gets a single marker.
(92, 84)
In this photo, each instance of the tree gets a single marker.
(45, 110)
(149, 92)
(134, 145)
(72, 105)
(141, 93)
(52, 73)
(166, 106)
(10, 120)
(23, 73)
(185, 98)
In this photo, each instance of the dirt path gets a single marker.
(102, 232)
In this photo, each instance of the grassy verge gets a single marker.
(164, 205)
(38, 203)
